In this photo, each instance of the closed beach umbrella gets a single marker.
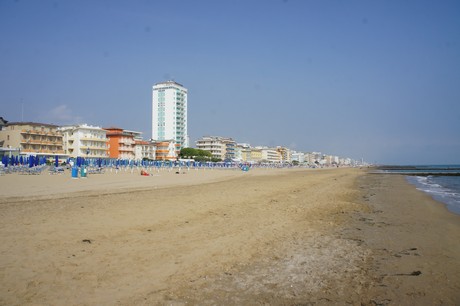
(21, 160)
(31, 161)
(56, 161)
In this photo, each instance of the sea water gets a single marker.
(445, 189)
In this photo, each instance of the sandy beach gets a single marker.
(225, 237)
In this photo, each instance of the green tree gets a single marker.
(188, 152)
(203, 153)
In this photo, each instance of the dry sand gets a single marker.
(279, 237)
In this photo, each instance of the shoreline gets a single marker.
(416, 259)
(332, 236)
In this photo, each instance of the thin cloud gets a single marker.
(61, 115)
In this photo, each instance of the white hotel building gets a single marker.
(84, 141)
(169, 113)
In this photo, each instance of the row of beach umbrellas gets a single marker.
(30, 160)
(127, 163)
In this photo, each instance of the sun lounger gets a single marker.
(56, 170)
(98, 170)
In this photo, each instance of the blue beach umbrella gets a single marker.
(31, 161)
(21, 160)
(56, 161)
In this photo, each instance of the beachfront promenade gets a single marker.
(225, 237)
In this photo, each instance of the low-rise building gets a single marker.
(85, 141)
(285, 154)
(145, 150)
(122, 143)
(256, 154)
(270, 155)
(220, 147)
(298, 156)
(243, 152)
(31, 138)
(167, 150)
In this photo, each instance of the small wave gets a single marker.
(433, 186)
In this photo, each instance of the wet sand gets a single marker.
(279, 237)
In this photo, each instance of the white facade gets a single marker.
(270, 154)
(298, 156)
(144, 149)
(220, 147)
(169, 113)
(166, 150)
(85, 141)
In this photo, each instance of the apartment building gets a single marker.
(85, 141)
(169, 113)
(298, 156)
(285, 154)
(271, 155)
(167, 150)
(220, 147)
(256, 154)
(144, 150)
(122, 142)
(32, 138)
(243, 152)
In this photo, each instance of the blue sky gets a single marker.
(372, 79)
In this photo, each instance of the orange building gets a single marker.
(121, 143)
(167, 150)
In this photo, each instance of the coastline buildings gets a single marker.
(220, 147)
(299, 157)
(85, 141)
(167, 150)
(169, 113)
(122, 142)
(31, 138)
(144, 150)
(285, 154)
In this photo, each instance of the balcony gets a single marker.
(125, 149)
(126, 141)
(94, 148)
(43, 151)
(94, 139)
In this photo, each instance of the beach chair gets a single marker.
(56, 170)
